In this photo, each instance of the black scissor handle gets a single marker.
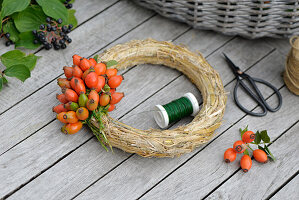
(253, 96)
(276, 91)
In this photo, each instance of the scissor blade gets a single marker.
(231, 64)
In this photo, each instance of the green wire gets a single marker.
(178, 109)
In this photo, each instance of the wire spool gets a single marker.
(291, 74)
(176, 110)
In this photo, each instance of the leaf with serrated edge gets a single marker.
(20, 71)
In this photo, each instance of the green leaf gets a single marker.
(20, 71)
(10, 28)
(26, 41)
(1, 83)
(265, 137)
(4, 80)
(71, 18)
(96, 57)
(30, 19)
(16, 57)
(246, 152)
(1, 5)
(54, 9)
(11, 6)
(243, 131)
(269, 153)
(258, 138)
(72, 1)
(111, 63)
(11, 55)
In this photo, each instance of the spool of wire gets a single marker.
(176, 110)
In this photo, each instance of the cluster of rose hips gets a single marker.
(53, 34)
(88, 87)
(239, 147)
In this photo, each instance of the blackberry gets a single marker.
(34, 32)
(48, 19)
(69, 40)
(35, 41)
(53, 28)
(59, 21)
(63, 46)
(7, 43)
(48, 46)
(62, 41)
(57, 47)
(69, 6)
(70, 26)
(64, 28)
(7, 35)
(42, 26)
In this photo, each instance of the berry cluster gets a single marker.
(8, 42)
(88, 90)
(67, 4)
(53, 34)
(241, 146)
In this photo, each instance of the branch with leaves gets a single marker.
(29, 24)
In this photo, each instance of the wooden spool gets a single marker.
(291, 74)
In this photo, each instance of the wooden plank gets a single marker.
(41, 117)
(207, 170)
(104, 28)
(263, 179)
(92, 6)
(49, 96)
(117, 183)
(142, 71)
(32, 188)
(290, 190)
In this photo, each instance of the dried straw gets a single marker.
(167, 143)
(291, 74)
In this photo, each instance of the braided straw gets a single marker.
(291, 74)
(167, 143)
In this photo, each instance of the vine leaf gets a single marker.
(29, 19)
(19, 71)
(26, 41)
(258, 138)
(11, 6)
(54, 9)
(243, 131)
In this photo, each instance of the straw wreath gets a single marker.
(167, 143)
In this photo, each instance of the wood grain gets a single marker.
(92, 6)
(167, 93)
(207, 170)
(132, 99)
(289, 191)
(153, 170)
(102, 29)
(40, 117)
(271, 175)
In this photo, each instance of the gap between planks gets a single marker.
(180, 34)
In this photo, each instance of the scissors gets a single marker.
(256, 94)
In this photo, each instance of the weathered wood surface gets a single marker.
(145, 169)
(123, 16)
(289, 191)
(271, 175)
(38, 162)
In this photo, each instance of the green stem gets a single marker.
(250, 147)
